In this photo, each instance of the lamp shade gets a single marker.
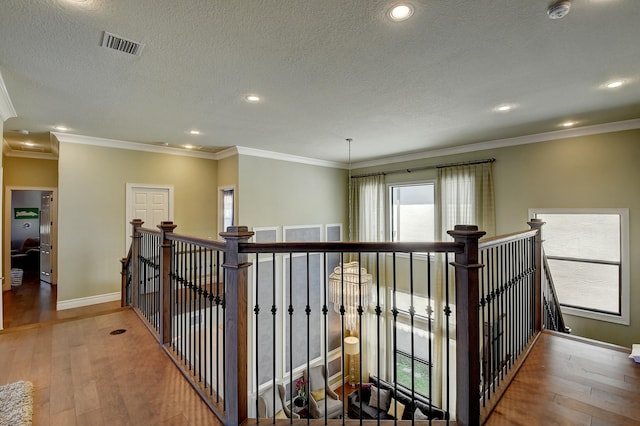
(351, 346)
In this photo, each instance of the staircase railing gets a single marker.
(194, 295)
(553, 318)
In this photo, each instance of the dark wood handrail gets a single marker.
(490, 242)
(562, 327)
(351, 247)
(206, 243)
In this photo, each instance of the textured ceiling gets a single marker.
(326, 70)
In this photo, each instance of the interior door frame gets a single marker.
(7, 232)
(129, 203)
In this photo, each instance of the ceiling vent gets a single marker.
(112, 41)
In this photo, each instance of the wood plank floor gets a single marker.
(84, 376)
(34, 302)
(569, 382)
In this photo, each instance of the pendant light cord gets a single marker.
(349, 189)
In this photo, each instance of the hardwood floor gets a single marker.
(565, 381)
(84, 376)
(34, 303)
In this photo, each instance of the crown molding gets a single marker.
(32, 155)
(226, 153)
(252, 152)
(132, 146)
(617, 126)
(7, 110)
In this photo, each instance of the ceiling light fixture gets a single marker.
(188, 146)
(61, 128)
(569, 123)
(559, 9)
(614, 84)
(194, 132)
(504, 108)
(252, 98)
(401, 12)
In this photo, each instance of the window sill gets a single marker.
(599, 316)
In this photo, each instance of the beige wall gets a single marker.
(586, 172)
(30, 172)
(276, 193)
(91, 209)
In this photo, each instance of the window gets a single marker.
(412, 212)
(227, 196)
(587, 251)
(421, 344)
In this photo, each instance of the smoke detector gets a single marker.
(559, 9)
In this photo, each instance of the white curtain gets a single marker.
(465, 196)
(368, 224)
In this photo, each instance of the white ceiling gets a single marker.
(326, 70)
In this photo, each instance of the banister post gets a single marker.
(537, 224)
(135, 267)
(467, 325)
(123, 282)
(236, 266)
(165, 281)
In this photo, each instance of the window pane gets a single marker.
(421, 374)
(412, 214)
(587, 285)
(582, 236)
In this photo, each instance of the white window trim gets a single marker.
(624, 317)
(221, 191)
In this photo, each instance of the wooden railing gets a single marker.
(553, 318)
(194, 296)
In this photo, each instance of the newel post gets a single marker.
(467, 324)
(236, 266)
(165, 281)
(135, 253)
(537, 224)
(123, 282)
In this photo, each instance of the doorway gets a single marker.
(30, 260)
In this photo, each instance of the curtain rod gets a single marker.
(416, 169)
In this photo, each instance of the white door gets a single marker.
(151, 204)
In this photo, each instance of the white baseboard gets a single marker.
(86, 301)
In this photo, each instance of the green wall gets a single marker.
(276, 193)
(595, 171)
(91, 209)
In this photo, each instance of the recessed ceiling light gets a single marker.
(61, 128)
(194, 132)
(504, 108)
(252, 98)
(614, 84)
(401, 12)
(569, 123)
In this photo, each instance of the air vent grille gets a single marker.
(112, 41)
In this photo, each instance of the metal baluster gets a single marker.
(274, 310)
(256, 310)
(291, 327)
(430, 337)
(447, 313)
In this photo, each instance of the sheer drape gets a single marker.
(368, 224)
(465, 196)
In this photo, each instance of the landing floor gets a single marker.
(566, 381)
